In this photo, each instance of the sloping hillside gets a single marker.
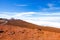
(21, 23)
(15, 29)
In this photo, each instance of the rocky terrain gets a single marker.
(16, 29)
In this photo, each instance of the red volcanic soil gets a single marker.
(15, 29)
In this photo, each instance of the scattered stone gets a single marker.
(1, 31)
(39, 29)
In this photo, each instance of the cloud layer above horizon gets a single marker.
(39, 18)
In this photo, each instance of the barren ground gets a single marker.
(21, 30)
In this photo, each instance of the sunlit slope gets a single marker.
(21, 23)
(16, 29)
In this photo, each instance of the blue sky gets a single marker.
(40, 12)
(28, 5)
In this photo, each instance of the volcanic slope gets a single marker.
(16, 29)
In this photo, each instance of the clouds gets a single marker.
(4, 16)
(39, 18)
(51, 7)
(16, 14)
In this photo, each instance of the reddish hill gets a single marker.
(15, 29)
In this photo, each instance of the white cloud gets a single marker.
(41, 20)
(49, 14)
(4, 16)
(46, 20)
(47, 23)
(24, 13)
